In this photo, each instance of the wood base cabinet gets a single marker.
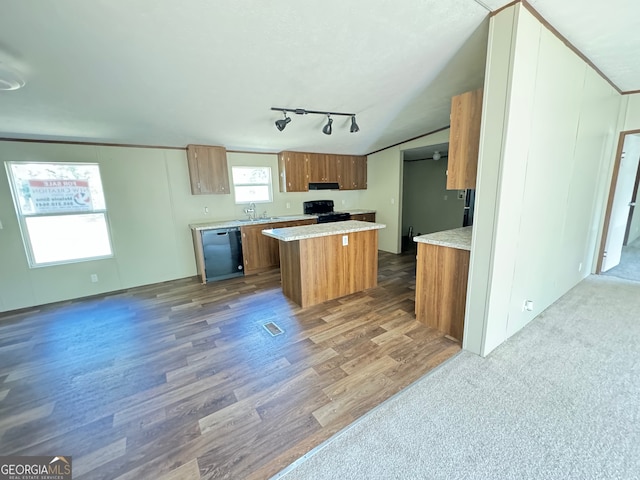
(441, 288)
(260, 252)
(318, 269)
(364, 217)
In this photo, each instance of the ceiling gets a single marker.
(171, 73)
(425, 153)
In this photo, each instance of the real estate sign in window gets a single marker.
(61, 210)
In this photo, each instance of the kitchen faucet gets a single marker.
(251, 211)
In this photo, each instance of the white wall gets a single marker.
(633, 112)
(149, 206)
(549, 125)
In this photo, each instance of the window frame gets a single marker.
(268, 184)
(22, 217)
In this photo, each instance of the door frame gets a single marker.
(612, 192)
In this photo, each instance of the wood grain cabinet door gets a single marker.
(364, 217)
(464, 140)
(360, 172)
(324, 167)
(294, 171)
(333, 164)
(352, 171)
(208, 170)
(260, 252)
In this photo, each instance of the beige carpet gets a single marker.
(629, 266)
(559, 400)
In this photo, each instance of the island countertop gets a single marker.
(457, 238)
(321, 230)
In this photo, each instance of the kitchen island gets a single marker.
(441, 279)
(326, 261)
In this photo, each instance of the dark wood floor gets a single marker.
(181, 380)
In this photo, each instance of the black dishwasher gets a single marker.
(222, 248)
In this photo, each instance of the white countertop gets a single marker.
(240, 223)
(321, 230)
(356, 211)
(457, 238)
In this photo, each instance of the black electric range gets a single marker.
(323, 209)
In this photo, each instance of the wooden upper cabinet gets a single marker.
(324, 167)
(294, 171)
(360, 176)
(464, 140)
(354, 175)
(208, 171)
(297, 169)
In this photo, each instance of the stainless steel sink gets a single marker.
(257, 220)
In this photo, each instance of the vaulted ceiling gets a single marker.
(177, 72)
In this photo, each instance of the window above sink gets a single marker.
(252, 184)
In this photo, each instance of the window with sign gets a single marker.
(252, 184)
(61, 210)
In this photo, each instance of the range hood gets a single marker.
(324, 186)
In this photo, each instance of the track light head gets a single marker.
(280, 124)
(354, 126)
(327, 128)
(436, 155)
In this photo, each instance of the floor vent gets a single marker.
(273, 329)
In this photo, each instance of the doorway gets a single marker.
(619, 253)
(427, 206)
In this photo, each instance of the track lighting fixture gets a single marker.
(280, 124)
(436, 155)
(327, 129)
(354, 126)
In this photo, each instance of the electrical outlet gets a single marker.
(393, 200)
(94, 278)
(288, 205)
(527, 306)
(206, 210)
(580, 267)
(345, 240)
(344, 202)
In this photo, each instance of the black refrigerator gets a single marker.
(469, 202)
